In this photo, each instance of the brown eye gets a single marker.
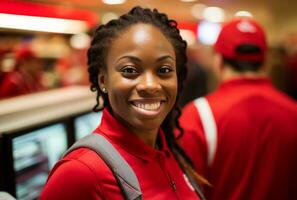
(129, 71)
(165, 70)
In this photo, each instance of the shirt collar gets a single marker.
(122, 136)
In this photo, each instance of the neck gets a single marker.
(149, 137)
(228, 73)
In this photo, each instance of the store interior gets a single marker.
(43, 115)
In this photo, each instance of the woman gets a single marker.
(137, 64)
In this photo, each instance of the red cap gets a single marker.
(241, 31)
(24, 53)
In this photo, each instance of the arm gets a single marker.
(71, 179)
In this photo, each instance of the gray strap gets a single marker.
(120, 168)
(6, 196)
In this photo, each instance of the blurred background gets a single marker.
(55, 35)
(45, 102)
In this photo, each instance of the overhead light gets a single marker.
(188, 36)
(214, 14)
(197, 10)
(80, 41)
(108, 16)
(44, 24)
(188, 1)
(243, 13)
(208, 32)
(113, 2)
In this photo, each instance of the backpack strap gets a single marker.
(209, 126)
(6, 196)
(124, 174)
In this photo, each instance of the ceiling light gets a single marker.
(108, 16)
(208, 32)
(113, 2)
(243, 13)
(44, 24)
(214, 14)
(80, 41)
(197, 10)
(188, 36)
(188, 1)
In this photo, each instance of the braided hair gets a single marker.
(97, 55)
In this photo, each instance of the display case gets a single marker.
(35, 131)
(30, 156)
(85, 124)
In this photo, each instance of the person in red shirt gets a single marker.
(137, 64)
(243, 136)
(25, 78)
(3, 52)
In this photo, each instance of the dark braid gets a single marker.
(97, 54)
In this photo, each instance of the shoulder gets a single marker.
(77, 176)
(193, 140)
(191, 124)
(189, 113)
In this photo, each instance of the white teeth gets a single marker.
(148, 106)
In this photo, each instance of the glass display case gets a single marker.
(86, 124)
(34, 154)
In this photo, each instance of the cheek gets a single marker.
(172, 89)
(118, 89)
(118, 101)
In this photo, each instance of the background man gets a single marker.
(243, 136)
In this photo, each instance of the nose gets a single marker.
(149, 83)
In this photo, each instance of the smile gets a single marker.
(148, 106)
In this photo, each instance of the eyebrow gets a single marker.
(130, 57)
(165, 57)
(139, 60)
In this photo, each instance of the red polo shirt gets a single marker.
(256, 155)
(82, 174)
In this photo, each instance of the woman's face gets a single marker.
(141, 79)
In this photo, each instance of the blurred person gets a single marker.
(278, 72)
(25, 78)
(289, 52)
(291, 64)
(243, 136)
(72, 68)
(137, 64)
(196, 82)
(3, 53)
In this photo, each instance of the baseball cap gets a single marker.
(241, 31)
(24, 53)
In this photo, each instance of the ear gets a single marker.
(218, 61)
(217, 65)
(102, 80)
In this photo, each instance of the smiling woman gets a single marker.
(141, 80)
(137, 65)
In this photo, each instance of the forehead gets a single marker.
(141, 37)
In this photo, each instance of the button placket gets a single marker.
(161, 157)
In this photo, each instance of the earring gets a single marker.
(104, 90)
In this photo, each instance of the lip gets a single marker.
(148, 107)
